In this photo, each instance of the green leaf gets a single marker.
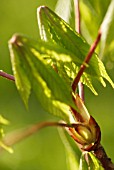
(5, 147)
(54, 29)
(66, 13)
(72, 157)
(94, 162)
(22, 81)
(107, 28)
(3, 121)
(92, 13)
(31, 71)
(83, 164)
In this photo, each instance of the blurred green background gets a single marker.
(44, 150)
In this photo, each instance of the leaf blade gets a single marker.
(57, 30)
(94, 162)
(72, 152)
(46, 83)
(22, 82)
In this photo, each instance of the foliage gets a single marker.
(30, 57)
(49, 66)
(3, 121)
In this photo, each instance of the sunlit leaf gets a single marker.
(89, 160)
(107, 30)
(27, 57)
(72, 157)
(92, 13)
(22, 81)
(54, 29)
(5, 147)
(83, 164)
(94, 162)
(3, 121)
(63, 9)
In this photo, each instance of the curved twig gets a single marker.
(7, 76)
(21, 134)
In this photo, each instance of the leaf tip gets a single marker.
(41, 8)
(14, 39)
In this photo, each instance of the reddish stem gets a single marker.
(87, 59)
(78, 29)
(7, 76)
(77, 15)
(17, 136)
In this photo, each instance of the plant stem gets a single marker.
(17, 136)
(7, 76)
(99, 152)
(77, 16)
(103, 158)
(87, 59)
(78, 29)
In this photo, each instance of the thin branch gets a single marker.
(78, 29)
(19, 135)
(87, 59)
(77, 16)
(99, 152)
(7, 76)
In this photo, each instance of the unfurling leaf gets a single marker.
(72, 152)
(92, 162)
(83, 164)
(86, 132)
(54, 29)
